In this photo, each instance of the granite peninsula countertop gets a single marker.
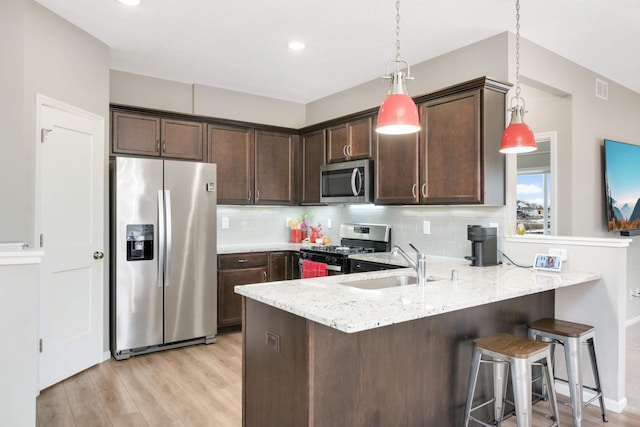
(326, 301)
(260, 247)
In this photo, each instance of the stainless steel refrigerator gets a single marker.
(163, 255)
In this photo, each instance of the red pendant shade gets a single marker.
(518, 136)
(398, 115)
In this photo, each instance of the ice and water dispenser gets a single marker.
(139, 242)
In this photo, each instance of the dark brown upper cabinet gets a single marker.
(397, 169)
(349, 141)
(314, 148)
(232, 150)
(455, 157)
(274, 168)
(148, 135)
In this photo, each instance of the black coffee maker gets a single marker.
(484, 245)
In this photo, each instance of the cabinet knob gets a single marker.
(242, 261)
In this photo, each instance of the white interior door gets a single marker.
(71, 218)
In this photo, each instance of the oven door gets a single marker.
(332, 270)
(347, 182)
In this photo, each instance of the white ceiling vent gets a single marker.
(602, 89)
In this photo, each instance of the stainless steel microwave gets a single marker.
(347, 182)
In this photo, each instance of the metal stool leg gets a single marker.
(547, 370)
(596, 377)
(521, 380)
(573, 355)
(473, 378)
(500, 375)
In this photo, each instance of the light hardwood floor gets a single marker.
(192, 386)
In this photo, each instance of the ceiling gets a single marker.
(242, 44)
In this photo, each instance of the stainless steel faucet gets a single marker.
(420, 264)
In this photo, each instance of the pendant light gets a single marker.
(398, 114)
(518, 136)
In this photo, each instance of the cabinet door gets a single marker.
(278, 266)
(182, 139)
(360, 139)
(274, 168)
(337, 143)
(397, 169)
(135, 134)
(230, 303)
(232, 150)
(294, 266)
(313, 156)
(349, 141)
(452, 139)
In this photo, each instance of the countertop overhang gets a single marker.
(348, 309)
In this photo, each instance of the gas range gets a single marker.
(354, 239)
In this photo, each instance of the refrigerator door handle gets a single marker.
(161, 237)
(167, 204)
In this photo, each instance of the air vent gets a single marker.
(602, 89)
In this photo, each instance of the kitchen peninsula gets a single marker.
(320, 352)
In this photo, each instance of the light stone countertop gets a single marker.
(260, 247)
(349, 309)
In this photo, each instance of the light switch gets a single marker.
(225, 222)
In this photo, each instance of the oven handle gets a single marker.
(356, 174)
(329, 267)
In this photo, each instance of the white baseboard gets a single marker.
(106, 356)
(611, 405)
(632, 321)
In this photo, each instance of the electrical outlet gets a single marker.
(287, 223)
(225, 222)
(426, 227)
(561, 252)
(329, 223)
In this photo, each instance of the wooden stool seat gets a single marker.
(516, 354)
(561, 327)
(511, 345)
(572, 336)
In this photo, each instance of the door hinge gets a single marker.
(40, 345)
(41, 240)
(43, 134)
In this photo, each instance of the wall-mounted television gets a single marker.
(622, 186)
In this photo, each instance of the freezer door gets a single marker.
(136, 287)
(191, 266)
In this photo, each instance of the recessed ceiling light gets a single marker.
(130, 2)
(296, 45)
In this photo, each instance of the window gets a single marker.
(534, 188)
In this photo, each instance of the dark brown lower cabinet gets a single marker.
(246, 268)
(300, 373)
(234, 270)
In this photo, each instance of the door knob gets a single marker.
(98, 255)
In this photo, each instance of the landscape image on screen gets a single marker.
(622, 185)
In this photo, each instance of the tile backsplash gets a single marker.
(448, 224)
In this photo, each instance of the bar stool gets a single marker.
(571, 335)
(519, 354)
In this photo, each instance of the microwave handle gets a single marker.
(356, 189)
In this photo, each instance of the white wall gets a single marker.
(560, 95)
(601, 304)
(13, 151)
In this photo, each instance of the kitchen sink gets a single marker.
(385, 282)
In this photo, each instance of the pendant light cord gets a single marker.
(397, 30)
(517, 50)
